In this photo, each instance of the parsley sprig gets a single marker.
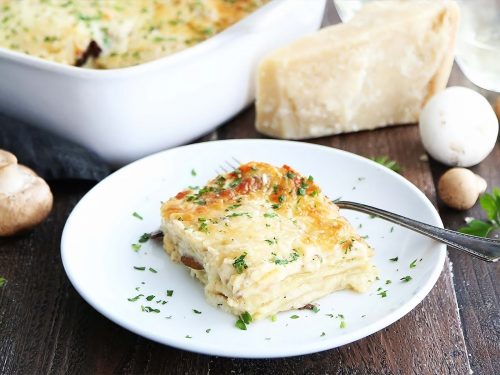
(491, 205)
(386, 162)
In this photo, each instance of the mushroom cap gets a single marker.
(25, 198)
(460, 188)
(458, 127)
(7, 158)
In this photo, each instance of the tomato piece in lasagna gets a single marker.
(265, 239)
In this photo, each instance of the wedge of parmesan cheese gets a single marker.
(376, 70)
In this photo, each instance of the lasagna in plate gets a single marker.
(108, 34)
(265, 239)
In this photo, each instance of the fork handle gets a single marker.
(483, 248)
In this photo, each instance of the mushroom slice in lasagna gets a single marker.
(265, 239)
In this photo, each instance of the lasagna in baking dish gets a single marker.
(114, 33)
(265, 239)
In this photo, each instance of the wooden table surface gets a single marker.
(46, 327)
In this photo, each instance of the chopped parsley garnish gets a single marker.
(294, 317)
(406, 279)
(290, 175)
(203, 227)
(133, 299)
(239, 263)
(170, 293)
(274, 241)
(270, 214)
(153, 270)
(388, 163)
(136, 247)
(246, 317)
(315, 309)
(413, 264)
(236, 214)
(149, 309)
(382, 293)
(193, 172)
(241, 325)
(196, 311)
(275, 206)
(145, 237)
(139, 268)
(342, 324)
(281, 198)
(136, 215)
(322, 334)
(274, 318)
(235, 182)
(208, 330)
(387, 282)
(282, 262)
(220, 181)
(188, 337)
(392, 229)
(233, 206)
(394, 259)
(150, 298)
(491, 205)
(275, 189)
(301, 191)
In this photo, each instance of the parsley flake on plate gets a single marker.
(406, 279)
(139, 268)
(136, 215)
(149, 309)
(170, 293)
(133, 299)
(144, 238)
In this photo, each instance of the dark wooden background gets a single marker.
(46, 327)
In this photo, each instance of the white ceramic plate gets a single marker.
(98, 258)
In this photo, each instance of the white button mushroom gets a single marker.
(459, 188)
(25, 198)
(458, 127)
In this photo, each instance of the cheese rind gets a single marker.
(376, 70)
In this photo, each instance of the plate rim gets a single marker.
(271, 352)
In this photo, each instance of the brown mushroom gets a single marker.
(459, 188)
(25, 198)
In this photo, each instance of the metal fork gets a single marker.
(483, 248)
(486, 249)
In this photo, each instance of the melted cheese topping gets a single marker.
(128, 32)
(265, 239)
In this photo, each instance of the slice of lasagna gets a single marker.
(265, 239)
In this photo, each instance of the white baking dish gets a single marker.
(124, 114)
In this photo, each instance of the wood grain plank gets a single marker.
(476, 282)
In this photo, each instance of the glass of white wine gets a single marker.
(478, 42)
